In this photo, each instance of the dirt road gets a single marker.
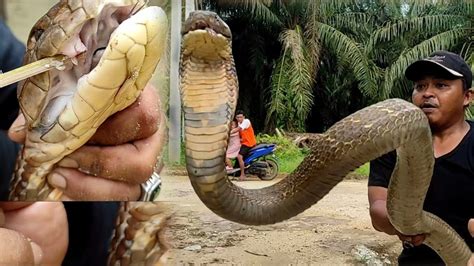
(336, 231)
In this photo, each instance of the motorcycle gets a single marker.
(260, 161)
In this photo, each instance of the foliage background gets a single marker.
(304, 65)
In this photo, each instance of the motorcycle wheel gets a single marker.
(272, 170)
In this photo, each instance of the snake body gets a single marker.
(138, 237)
(64, 108)
(209, 89)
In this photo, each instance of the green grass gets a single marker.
(289, 164)
(288, 154)
(363, 170)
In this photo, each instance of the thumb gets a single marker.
(17, 131)
(16, 249)
(470, 226)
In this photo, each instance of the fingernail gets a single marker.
(37, 253)
(68, 163)
(57, 181)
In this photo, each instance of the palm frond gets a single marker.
(442, 41)
(259, 9)
(347, 19)
(425, 7)
(351, 52)
(276, 106)
(312, 37)
(430, 24)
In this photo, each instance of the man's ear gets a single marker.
(468, 97)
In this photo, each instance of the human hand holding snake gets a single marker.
(119, 157)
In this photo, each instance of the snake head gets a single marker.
(206, 36)
(206, 20)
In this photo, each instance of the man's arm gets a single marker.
(378, 210)
(237, 129)
(379, 178)
(245, 124)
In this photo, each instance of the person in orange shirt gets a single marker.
(247, 139)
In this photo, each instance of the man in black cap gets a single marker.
(442, 89)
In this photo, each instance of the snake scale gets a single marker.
(209, 89)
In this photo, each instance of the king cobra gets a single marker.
(209, 90)
(115, 46)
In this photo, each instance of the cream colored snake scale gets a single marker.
(209, 90)
(123, 39)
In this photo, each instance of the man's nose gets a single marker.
(429, 91)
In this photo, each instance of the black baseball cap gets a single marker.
(441, 63)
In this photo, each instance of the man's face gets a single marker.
(442, 100)
(240, 118)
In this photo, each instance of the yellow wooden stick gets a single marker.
(35, 68)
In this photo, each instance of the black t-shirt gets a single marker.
(90, 229)
(451, 191)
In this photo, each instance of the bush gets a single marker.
(288, 154)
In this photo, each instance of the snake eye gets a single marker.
(38, 33)
(96, 56)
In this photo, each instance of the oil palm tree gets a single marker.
(302, 28)
(424, 27)
(372, 42)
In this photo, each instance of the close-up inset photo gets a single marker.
(90, 122)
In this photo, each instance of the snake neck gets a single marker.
(29, 180)
(196, 71)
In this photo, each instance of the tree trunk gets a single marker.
(190, 6)
(3, 13)
(174, 144)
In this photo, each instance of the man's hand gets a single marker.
(119, 157)
(380, 220)
(414, 240)
(33, 232)
(470, 226)
(470, 262)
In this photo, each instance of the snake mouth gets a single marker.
(86, 46)
(206, 36)
(90, 43)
